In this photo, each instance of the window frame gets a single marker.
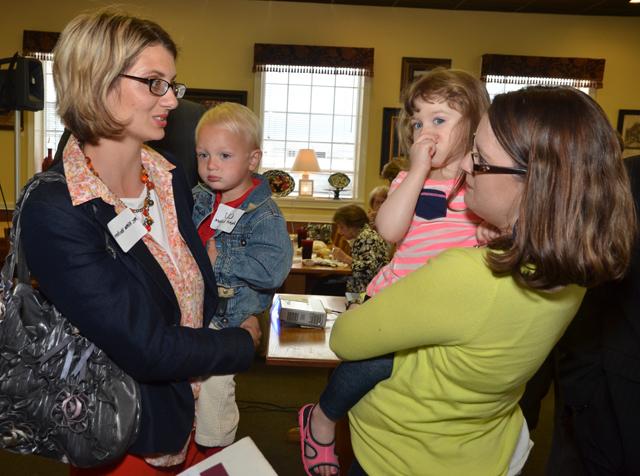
(328, 204)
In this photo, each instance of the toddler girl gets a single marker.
(425, 214)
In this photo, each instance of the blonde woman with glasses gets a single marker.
(144, 294)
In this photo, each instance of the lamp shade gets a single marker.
(306, 161)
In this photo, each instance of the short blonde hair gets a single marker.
(92, 51)
(235, 118)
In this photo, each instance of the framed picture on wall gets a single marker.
(629, 129)
(211, 97)
(389, 143)
(414, 67)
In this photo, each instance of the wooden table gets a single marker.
(309, 347)
(301, 278)
(303, 346)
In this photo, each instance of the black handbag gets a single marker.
(60, 396)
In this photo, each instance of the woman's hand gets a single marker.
(252, 325)
(212, 251)
(340, 255)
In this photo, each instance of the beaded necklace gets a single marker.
(148, 202)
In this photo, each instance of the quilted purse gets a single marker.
(60, 396)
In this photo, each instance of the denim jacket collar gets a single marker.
(257, 196)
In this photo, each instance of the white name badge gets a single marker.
(127, 229)
(226, 218)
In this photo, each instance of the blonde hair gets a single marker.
(379, 190)
(92, 51)
(459, 90)
(235, 118)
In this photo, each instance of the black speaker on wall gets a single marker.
(21, 84)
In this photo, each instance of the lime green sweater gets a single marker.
(465, 344)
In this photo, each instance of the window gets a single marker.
(504, 73)
(312, 109)
(48, 126)
(503, 84)
(314, 97)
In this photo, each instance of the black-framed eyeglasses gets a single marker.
(480, 166)
(159, 87)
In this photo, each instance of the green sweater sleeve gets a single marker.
(441, 303)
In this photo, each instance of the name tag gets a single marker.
(226, 218)
(127, 229)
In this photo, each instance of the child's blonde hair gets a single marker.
(237, 119)
(459, 90)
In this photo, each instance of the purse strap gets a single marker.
(15, 264)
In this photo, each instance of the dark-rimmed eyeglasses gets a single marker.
(480, 166)
(159, 87)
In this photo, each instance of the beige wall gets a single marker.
(217, 36)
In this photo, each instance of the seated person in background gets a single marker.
(376, 198)
(368, 249)
(392, 168)
(247, 242)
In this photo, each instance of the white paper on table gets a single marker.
(239, 459)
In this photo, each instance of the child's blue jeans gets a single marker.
(350, 381)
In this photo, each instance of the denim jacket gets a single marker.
(253, 260)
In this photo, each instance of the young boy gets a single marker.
(247, 241)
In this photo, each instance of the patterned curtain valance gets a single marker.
(38, 41)
(589, 72)
(320, 59)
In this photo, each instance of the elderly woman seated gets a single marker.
(368, 252)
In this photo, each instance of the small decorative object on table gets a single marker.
(280, 182)
(338, 181)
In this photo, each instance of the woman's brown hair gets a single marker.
(576, 221)
(92, 51)
(351, 216)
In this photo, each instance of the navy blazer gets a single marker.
(124, 303)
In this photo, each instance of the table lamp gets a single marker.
(306, 161)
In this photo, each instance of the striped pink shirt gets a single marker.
(434, 228)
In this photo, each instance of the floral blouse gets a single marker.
(184, 275)
(369, 254)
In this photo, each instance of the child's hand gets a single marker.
(486, 232)
(252, 325)
(212, 251)
(421, 152)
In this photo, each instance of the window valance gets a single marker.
(317, 59)
(586, 72)
(38, 41)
